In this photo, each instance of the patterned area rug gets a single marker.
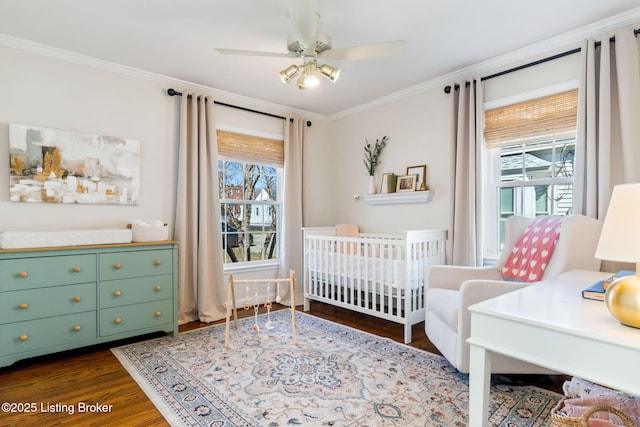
(334, 376)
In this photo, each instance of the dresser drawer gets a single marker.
(31, 304)
(25, 273)
(42, 333)
(132, 291)
(137, 316)
(123, 265)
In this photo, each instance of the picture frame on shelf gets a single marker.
(388, 183)
(421, 171)
(406, 183)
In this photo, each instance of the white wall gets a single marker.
(318, 168)
(42, 91)
(534, 78)
(420, 131)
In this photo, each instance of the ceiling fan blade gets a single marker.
(304, 15)
(256, 53)
(369, 51)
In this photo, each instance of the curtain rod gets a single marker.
(448, 88)
(173, 92)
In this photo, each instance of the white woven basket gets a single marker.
(148, 233)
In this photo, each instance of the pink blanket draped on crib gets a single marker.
(347, 230)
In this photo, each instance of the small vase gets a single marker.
(372, 185)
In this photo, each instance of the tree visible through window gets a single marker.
(250, 211)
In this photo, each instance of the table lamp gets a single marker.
(620, 241)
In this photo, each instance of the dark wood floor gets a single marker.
(94, 376)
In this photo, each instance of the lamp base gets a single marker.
(623, 300)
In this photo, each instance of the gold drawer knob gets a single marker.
(158, 288)
(158, 262)
(23, 306)
(77, 328)
(117, 293)
(158, 313)
(24, 337)
(118, 320)
(23, 274)
(76, 269)
(77, 298)
(117, 266)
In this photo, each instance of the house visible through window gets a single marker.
(536, 179)
(531, 160)
(249, 173)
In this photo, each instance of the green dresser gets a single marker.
(63, 298)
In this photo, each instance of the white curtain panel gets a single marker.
(608, 129)
(291, 239)
(468, 151)
(201, 286)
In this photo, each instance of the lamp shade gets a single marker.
(620, 237)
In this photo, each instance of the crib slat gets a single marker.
(331, 281)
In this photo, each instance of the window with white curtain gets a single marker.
(530, 161)
(250, 170)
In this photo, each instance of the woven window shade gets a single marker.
(250, 149)
(545, 118)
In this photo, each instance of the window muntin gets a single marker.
(535, 179)
(250, 212)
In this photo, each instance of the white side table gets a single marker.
(549, 324)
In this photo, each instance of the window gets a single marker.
(535, 179)
(249, 173)
(250, 208)
(531, 151)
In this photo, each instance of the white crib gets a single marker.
(377, 274)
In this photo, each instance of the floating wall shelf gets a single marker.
(399, 198)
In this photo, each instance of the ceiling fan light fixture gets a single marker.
(332, 73)
(310, 80)
(309, 76)
(289, 73)
(307, 81)
(300, 83)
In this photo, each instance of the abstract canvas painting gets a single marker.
(58, 166)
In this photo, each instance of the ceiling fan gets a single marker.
(310, 45)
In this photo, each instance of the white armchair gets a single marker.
(451, 290)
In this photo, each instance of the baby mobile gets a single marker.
(251, 301)
(256, 306)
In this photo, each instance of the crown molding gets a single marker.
(180, 85)
(561, 43)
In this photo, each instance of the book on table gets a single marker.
(598, 289)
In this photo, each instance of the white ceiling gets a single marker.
(176, 38)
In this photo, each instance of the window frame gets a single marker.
(491, 174)
(519, 185)
(279, 204)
